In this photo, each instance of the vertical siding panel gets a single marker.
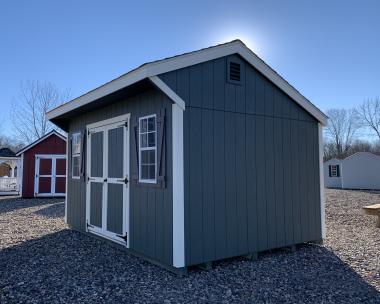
(288, 173)
(219, 185)
(269, 99)
(230, 175)
(260, 94)
(269, 182)
(207, 85)
(295, 181)
(230, 95)
(195, 99)
(303, 181)
(250, 139)
(279, 182)
(241, 184)
(196, 228)
(261, 178)
(208, 206)
(250, 91)
(219, 83)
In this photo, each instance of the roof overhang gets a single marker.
(51, 133)
(151, 70)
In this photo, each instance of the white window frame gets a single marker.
(144, 180)
(334, 173)
(76, 134)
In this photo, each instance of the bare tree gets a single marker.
(369, 115)
(29, 109)
(7, 142)
(341, 130)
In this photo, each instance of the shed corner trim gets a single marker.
(168, 91)
(178, 188)
(321, 182)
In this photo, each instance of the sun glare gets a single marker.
(223, 37)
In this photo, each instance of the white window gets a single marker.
(75, 152)
(147, 149)
(334, 170)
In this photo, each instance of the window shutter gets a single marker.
(329, 170)
(83, 156)
(135, 168)
(337, 170)
(69, 158)
(161, 148)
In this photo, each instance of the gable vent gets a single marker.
(235, 71)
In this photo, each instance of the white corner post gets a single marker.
(321, 181)
(178, 187)
(67, 174)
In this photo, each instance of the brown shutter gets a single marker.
(329, 170)
(161, 148)
(337, 170)
(135, 167)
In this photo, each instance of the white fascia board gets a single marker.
(168, 91)
(178, 62)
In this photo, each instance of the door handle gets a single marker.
(105, 180)
(125, 180)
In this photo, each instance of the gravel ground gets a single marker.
(42, 261)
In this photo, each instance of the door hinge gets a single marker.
(126, 124)
(125, 237)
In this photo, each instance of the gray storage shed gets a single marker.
(195, 158)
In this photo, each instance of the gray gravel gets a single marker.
(42, 261)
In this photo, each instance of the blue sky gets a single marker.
(329, 50)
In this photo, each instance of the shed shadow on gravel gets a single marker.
(14, 204)
(53, 211)
(68, 266)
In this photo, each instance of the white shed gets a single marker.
(358, 171)
(332, 172)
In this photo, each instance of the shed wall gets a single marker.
(361, 171)
(51, 145)
(251, 164)
(151, 218)
(333, 182)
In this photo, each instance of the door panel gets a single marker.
(60, 166)
(44, 185)
(60, 184)
(115, 152)
(96, 204)
(115, 208)
(45, 166)
(97, 143)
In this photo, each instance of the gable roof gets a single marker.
(152, 69)
(6, 152)
(51, 133)
(366, 154)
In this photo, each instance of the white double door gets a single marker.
(50, 175)
(107, 179)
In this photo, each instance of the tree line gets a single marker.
(349, 130)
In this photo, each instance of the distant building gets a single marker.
(358, 171)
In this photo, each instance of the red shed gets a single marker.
(43, 166)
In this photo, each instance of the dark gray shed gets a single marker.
(195, 158)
